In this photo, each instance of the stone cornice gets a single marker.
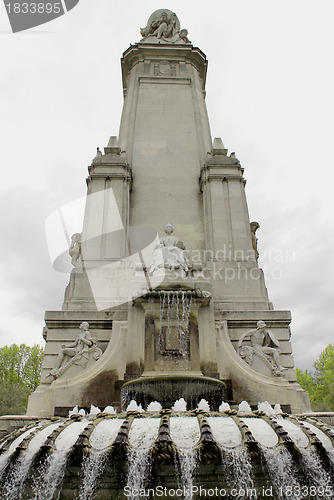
(248, 319)
(171, 80)
(221, 173)
(110, 171)
(178, 53)
(72, 319)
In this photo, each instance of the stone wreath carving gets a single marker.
(78, 352)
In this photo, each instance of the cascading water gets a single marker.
(16, 477)
(172, 345)
(323, 438)
(185, 434)
(282, 472)
(244, 452)
(317, 476)
(175, 307)
(141, 438)
(310, 462)
(101, 439)
(53, 469)
(235, 457)
(4, 458)
(277, 459)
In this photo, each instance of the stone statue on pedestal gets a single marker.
(164, 26)
(254, 227)
(265, 345)
(170, 253)
(75, 249)
(77, 352)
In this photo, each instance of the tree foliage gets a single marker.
(20, 369)
(320, 386)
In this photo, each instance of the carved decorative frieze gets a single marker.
(164, 68)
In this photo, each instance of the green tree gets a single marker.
(324, 379)
(320, 386)
(20, 369)
(305, 379)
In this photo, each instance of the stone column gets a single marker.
(229, 253)
(104, 239)
(166, 135)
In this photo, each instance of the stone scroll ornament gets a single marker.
(263, 344)
(163, 26)
(78, 352)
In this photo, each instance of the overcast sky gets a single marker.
(269, 95)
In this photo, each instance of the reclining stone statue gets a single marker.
(164, 26)
(78, 352)
(265, 345)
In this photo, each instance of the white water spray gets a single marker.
(101, 439)
(185, 433)
(53, 470)
(142, 435)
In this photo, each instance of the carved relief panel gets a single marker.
(164, 68)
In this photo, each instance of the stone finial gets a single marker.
(218, 147)
(163, 26)
(112, 147)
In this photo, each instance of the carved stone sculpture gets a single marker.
(164, 26)
(75, 249)
(265, 345)
(78, 352)
(170, 253)
(184, 36)
(254, 227)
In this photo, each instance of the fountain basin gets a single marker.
(100, 455)
(166, 389)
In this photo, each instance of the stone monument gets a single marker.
(166, 313)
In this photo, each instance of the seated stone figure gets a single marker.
(164, 27)
(161, 27)
(77, 352)
(265, 345)
(169, 253)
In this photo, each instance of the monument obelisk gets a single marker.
(164, 173)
